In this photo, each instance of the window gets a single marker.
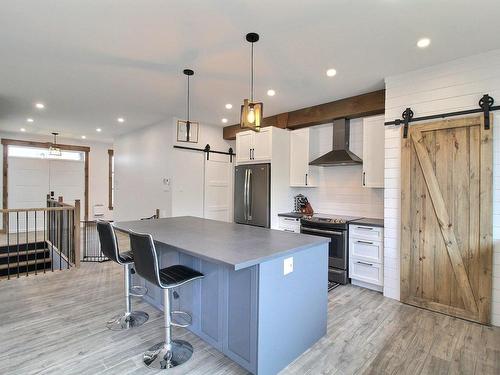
(111, 182)
(43, 153)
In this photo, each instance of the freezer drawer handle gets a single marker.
(365, 228)
(366, 242)
(289, 230)
(366, 264)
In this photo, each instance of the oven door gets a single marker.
(337, 248)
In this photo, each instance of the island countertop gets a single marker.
(237, 245)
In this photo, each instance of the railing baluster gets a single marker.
(17, 237)
(26, 225)
(7, 225)
(44, 243)
(36, 248)
(67, 238)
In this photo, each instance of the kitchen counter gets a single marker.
(263, 301)
(369, 221)
(295, 215)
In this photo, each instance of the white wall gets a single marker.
(339, 190)
(452, 86)
(145, 157)
(98, 166)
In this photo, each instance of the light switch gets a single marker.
(288, 266)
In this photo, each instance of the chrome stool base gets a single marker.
(159, 357)
(127, 321)
(138, 291)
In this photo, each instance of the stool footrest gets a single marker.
(184, 316)
(138, 291)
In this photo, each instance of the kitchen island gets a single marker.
(263, 300)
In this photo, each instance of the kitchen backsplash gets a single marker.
(339, 188)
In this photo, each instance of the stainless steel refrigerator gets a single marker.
(252, 194)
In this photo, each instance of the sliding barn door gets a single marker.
(446, 229)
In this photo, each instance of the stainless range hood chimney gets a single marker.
(340, 155)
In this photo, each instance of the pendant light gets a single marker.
(188, 73)
(53, 149)
(251, 111)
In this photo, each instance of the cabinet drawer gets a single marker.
(370, 251)
(365, 232)
(366, 271)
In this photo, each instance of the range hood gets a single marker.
(340, 155)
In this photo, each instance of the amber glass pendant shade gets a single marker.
(251, 115)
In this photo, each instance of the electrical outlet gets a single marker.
(288, 266)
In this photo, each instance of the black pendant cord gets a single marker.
(485, 107)
(251, 75)
(188, 100)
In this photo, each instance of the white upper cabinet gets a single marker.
(254, 147)
(373, 152)
(301, 173)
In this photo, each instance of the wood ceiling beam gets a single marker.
(372, 103)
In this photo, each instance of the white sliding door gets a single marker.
(218, 188)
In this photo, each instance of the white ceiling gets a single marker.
(91, 61)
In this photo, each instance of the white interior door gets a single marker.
(67, 180)
(218, 188)
(28, 184)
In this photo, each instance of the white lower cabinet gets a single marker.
(366, 256)
(289, 224)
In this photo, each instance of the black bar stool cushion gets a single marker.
(109, 244)
(174, 276)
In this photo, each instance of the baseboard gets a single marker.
(377, 288)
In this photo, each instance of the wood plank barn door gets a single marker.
(446, 218)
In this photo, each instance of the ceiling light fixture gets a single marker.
(98, 130)
(251, 111)
(423, 43)
(120, 119)
(40, 105)
(54, 150)
(84, 137)
(224, 120)
(331, 72)
(229, 106)
(271, 92)
(23, 129)
(30, 120)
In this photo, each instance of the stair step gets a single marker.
(24, 263)
(23, 252)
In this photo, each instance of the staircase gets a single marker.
(24, 259)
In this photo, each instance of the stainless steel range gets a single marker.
(336, 228)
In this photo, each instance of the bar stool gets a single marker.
(169, 353)
(109, 247)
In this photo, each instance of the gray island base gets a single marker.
(246, 306)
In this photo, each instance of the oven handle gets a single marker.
(322, 231)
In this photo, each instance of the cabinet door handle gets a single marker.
(365, 228)
(364, 178)
(366, 242)
(306, 179)
(288, 230)
(366, 264)
(250, 153)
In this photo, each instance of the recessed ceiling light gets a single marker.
(23, 129)
(331, 72)
(229, 106)
(40, 105)
(30, 120)
(271, 92)
(98, 130)
(84, 137)
(120, 119)
(423, 43)
(224, 120)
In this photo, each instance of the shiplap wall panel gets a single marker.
(452, 86)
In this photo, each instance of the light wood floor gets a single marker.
(54, 324)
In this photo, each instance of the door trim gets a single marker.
(17, 142)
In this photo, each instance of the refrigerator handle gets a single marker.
(245, 195)
(249, 195)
